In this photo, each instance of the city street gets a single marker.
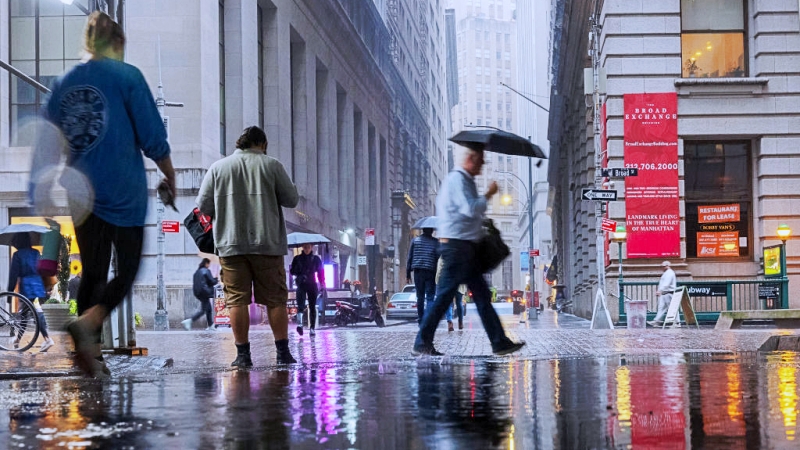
(570, 387)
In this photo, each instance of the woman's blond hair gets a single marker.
(102, 33)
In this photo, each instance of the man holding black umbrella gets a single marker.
(460, 210)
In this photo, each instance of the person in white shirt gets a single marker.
(666, 286)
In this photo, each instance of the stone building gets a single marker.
(720, 75)
(316, 75)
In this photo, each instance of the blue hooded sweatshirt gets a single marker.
(107, 114)
(23, 270)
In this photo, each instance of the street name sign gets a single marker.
(619, 172)
(608, 225)
(170, 226)
(604, 195)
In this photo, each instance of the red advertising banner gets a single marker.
(651, 198)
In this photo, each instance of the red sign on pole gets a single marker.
(369, 236)
(651, 199)
(608, 225)
(170, 226)
(533, 252)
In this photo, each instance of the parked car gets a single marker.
(409, 288)
(402, 305)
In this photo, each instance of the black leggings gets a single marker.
(206, 309)
(95, 237)
(309, 291)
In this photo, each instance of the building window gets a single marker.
(45, 38)
(712, 38)
(508, 274)
(718, 199)
(221, 77)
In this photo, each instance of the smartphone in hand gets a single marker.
(165, 194)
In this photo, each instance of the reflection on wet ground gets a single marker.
(671, 402)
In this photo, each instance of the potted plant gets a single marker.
(56, 313)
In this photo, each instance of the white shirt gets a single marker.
(668, 282)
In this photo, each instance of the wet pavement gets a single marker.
(571, 388)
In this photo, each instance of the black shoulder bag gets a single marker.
(199, 227)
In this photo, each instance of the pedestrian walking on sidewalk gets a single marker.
(244, 194)
(666, 286)
(448, 314)
(105, 111)
(305, 267)
(73, 286)
(422, 257)
(460, 210)
(203, 284)
(23, 276)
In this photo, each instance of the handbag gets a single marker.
(199, 227)
(491, 249)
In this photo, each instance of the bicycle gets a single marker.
(19, 323)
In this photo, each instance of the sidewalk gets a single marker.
(551, 336)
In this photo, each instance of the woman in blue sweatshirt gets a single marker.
(105, 112)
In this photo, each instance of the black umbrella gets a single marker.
(499, 141)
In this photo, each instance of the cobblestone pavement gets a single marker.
(550, 336)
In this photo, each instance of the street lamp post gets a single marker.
(619, 236)
(783, 233)
(529, 188)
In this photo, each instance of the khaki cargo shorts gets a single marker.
(259, 277)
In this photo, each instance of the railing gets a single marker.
(711, 297)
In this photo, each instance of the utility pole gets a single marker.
(598, 157)
(161, 321)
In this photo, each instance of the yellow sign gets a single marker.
(67, 228)
(772, 261)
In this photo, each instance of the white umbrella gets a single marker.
(34, 231)
(298, 239)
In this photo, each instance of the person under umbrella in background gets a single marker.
(305, 267)
(423, 255)
(23, 275)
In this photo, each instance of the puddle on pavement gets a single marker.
(670, 401)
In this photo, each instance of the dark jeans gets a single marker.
(308, 291)
(207, 309)
(425, 286)
(461, 267)
(95, 237)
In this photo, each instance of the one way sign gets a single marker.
(605, 195)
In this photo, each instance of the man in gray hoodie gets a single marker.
(243, 194)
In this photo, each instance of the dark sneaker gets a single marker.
(426, 350)
(312, 332)
(242, 360)
(285, 357)
(300, 330)
(509, 348)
